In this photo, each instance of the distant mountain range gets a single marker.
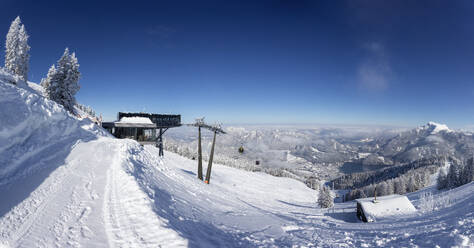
(327, 152)
(428, 141)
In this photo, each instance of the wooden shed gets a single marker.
(369, 209)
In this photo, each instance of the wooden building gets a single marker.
(143, 127)
(370, 209)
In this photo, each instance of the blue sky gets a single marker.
(347, 62)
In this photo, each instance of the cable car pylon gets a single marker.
(199, 155)
(217, 129)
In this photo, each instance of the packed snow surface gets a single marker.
(66, 183)
(137, 120)
(386, 206)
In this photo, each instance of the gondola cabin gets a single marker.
(369, 209)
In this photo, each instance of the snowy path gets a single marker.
(90, 202)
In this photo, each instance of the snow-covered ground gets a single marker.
(65, 182)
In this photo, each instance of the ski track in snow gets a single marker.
(89, 201)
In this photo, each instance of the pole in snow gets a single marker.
(160, 140)
(209, 167)
(199, 155)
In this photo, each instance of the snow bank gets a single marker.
(31, 125)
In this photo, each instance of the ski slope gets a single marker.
(64, 182)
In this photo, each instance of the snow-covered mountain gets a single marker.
(428, 141)
(64, 182)
(326, 152)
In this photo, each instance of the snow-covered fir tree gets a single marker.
(468, 172)
(17, 50)
(325, 199)
(399, 186)
(442, 179)
(46, 82)
(453, 175)
(382, 189)
(62, 81)
(411, 184)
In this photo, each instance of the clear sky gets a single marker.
(349, 62)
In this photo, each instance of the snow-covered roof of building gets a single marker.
(135, 121)
(386, 206)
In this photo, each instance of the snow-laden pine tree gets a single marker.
(382, 189)
(325, 199)
(390, 187)
(453, 175)
(62, 81)
(411, 184)
(46, 82)
(399, 186)
(17, 50)
(468, 172)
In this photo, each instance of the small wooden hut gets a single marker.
(370, 209)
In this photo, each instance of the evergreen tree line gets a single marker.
(410, 181)
(458, 174)
(61, 82)
(361, 179)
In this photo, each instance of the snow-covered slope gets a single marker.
(66, 183)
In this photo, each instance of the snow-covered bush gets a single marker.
(17, 50)
(427, 203)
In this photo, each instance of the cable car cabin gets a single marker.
(140, 129)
